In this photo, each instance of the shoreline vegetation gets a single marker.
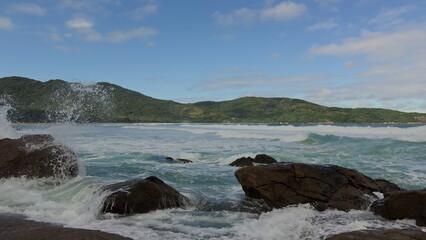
(32, 101)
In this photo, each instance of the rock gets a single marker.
(392, 234)
(323, 186)
(264, 159)
(142, 196)
(180, 160)
(242, 162)
(14, 227)
(387, 187)
(36, 156)
(402, 205)
(248, 161)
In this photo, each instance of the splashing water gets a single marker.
(80, 102)
(6, 129)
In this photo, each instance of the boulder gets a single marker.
(387, 187)
(180, 160)
(401, 205)
(36, 156)
(264, 159)
(392, 234)
(142, 196)
(323, 186)
(248, 161)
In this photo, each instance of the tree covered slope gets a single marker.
(60, 101)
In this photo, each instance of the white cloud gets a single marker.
(391, 16)
(396, 65)
(284, 11)
(144, 11)
(79, 23)
(325, 25)
(141, 33)
(6, 24)
(27, 8)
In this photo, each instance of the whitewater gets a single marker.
(111, 153)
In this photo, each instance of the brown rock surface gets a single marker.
(401, 205)
(393, 234)
(36, 156)
(323, 186)
(142, 196)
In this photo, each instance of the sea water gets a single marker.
(111, 153)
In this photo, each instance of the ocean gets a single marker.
(110, 153)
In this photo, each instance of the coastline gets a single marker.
(14, 226)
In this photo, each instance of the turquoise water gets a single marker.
(117, 152)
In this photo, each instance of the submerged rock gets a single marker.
(249, 161)
(36, 156)
(323, 186)
(401, 205)
(142, 196)
(180, 160)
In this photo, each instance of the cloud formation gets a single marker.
(283, 11)
(27, 8)
(325, 25)
(6, 23)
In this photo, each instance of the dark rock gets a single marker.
(323, 186)
(392, 234)
(264, 159)
(242, 162)
(401, 205)
(142, 196)
(36, 156)
(180, 160)
(387, 187)
(14, 227)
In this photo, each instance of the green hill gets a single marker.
(60, 101)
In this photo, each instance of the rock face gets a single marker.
(403, 204)
(142, 196)
(36, 156)
(393, 234)
(248, 161)
(328, 186)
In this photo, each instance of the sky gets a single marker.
(342, 53)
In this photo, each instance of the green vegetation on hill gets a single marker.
(58, 101)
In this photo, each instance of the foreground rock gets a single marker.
(36, 156)
(402, 205)
(393, 234)
(328, 186)
(249, 161)
(14, 227)
(142, 196)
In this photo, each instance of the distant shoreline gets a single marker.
(283, 124)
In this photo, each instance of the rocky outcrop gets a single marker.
(249, 161)
(387, 187)
(323, 186)
(36, 156)
(392, 234)
(16, 227)
(142, 196)
(401, 205)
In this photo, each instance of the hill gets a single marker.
(60, 101)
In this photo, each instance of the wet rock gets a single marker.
(323, 186)
(249, 161)
(402, 205)
(180, 160)
(392, 234)
(36, 156)
(142, 196)
(264, 159)
(387, 187)
(242, 162)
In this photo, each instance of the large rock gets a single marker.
(323, 186)
(142, 196)
(36, 156)
(249, 161)
(401, 205)
(392, 234)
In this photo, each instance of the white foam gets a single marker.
(6, 129)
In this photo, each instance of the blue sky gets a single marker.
(345, 53)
